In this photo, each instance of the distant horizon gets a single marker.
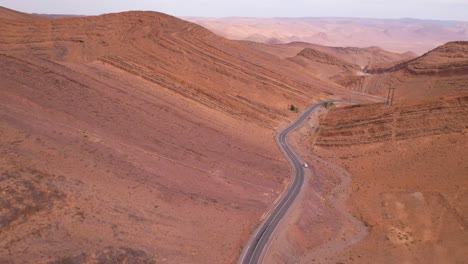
(433, 10)
(313, 17)
(249, 17)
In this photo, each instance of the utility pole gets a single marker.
(393, 96)
(390, 96)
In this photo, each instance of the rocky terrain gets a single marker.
(138, 136)
(328, 67)
(388, 185)
(441, 71)
(335, 65)
(409, 188)
(6, 13)
(359, 125)
(363, 57)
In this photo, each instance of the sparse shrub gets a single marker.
(26, 192)
(293, 108)
(329, 105)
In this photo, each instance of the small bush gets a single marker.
(329, 104)
(293, 108)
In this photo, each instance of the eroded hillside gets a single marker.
(335, 65)
(387, 185)
(176, 55)
(407, 169)
(359, 125)
(144, 138)
(138, 136)
(439, 72)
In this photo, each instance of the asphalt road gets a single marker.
(254, 249)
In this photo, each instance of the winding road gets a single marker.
(254, 250)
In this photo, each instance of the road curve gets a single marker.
(253, 251)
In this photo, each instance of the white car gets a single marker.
(306, 165)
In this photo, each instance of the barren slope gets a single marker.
(330, 68)
(441, 71)
(6, 13)
(409, 184)
(387, 185)
(363, 57)
(138, 136)
(377, 123)
(334, 65)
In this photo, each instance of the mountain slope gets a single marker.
(329, 68)
(334, 65)
(364, 57)
(439, 72)
(389, 185)
(178, 55)
(408, 168)
(138, 136)
(6, 13)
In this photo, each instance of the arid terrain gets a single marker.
(403, 168)
(138, 137)
(335, 65)
(441, 71)
(397, 35)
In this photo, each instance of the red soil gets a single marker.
(139, 136)
(144, 138)
(442, 71)
(404, 168)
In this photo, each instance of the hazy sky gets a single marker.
(424, 9)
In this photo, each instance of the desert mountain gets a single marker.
(409, 187)
(6, 13)
(441, 71)
(334, 65)
(138, 136)
(363, 57)
(398, 35)
(175, 54)
(328, 67)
